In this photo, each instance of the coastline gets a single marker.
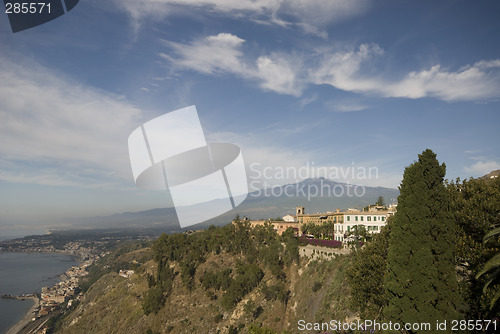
(25, 322)
(27, 317)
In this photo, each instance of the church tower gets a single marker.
(299, 211)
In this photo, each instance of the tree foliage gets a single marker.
(153, 301)
(320, 231)
(277, 291)
(217, 280)
(492, 267)
(257, 248)
(420, 283)
(248, 277)
(366, 276)
(476, 207)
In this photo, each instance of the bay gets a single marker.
(27, 273)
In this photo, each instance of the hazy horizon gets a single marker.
(295, 84)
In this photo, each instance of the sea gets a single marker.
(27, 273)
(12, 232)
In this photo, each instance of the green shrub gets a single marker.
(153, 301)
(316, 286)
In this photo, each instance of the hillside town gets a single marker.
(373, 218)
(54, 300)
(86, 249)
(67, 290)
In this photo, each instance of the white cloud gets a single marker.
(479, 81)
(314, 14)
(219, 53)
(346, 105)
(56, 131)
(222, 53)
(278, 74)
(308, 100)
(481, 168)
(342, 69)
(350, 70)
(310, 15)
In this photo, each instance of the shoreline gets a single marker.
(59, 277)
(26, 319)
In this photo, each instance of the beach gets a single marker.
(26, 319)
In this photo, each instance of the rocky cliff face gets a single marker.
(316, 291)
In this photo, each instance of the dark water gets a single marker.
(27, 273)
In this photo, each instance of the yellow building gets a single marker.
(344, 221)
(279, 226)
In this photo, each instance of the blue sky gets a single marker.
(336, 84)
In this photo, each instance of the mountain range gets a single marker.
(315, 194)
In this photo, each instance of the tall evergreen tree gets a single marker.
(421, 283)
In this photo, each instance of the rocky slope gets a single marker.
(113, 304)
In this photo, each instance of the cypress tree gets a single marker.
(420, 282)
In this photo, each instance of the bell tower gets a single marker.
(299, 210)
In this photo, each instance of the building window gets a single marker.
(361, 218)
(369, 218)
(348, 218)
(356, 218)
(383, 218)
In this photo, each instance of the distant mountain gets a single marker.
(492, 175)
(316, 195)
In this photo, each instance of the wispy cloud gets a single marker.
(481, 168)
(308, 100)
(478, 81)
(472, 151)
(349, 70)
(223, 53)
(342, 70)
(346, 105)
(58, 132)
(308, 15)
(213, 54)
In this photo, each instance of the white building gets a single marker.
(372, 221)
(126, 273)
(290, 218)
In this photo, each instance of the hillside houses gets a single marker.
(373, 219)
